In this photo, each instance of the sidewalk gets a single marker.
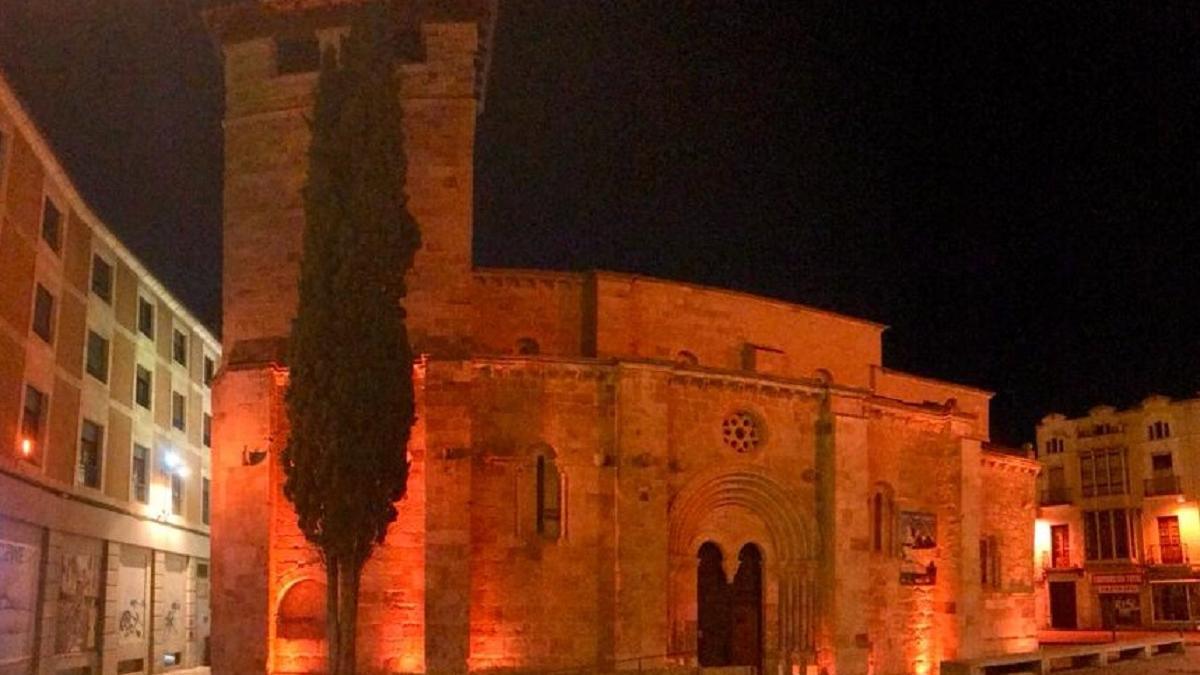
(1095, 637)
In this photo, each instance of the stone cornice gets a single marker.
(1006, 462)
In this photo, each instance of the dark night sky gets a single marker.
(1013, 190)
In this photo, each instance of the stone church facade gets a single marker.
(608, 471)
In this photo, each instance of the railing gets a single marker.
(1053, 496)
(1061, 561)
(1167, 554)
(1162, 485)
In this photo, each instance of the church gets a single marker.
(609, 471)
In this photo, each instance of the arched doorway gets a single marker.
(741, 555)
(729, 613)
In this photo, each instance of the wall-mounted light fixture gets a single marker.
(26, 447)
(252, 457)
(174, 464)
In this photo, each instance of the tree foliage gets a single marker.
(350, 392)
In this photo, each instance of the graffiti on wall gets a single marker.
(78, 604)
(131, 598)
(18, 600)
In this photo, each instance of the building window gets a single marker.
(1108, 534)
(297, 55)
(1060, 546)
(97, 356)
(102, 278)
(43, 313)
(686, 358)
(178, 411)
(52, 225)
(549, 493)
(1163, 463)
(207, 430)
(210, 371)
(741, 431)
(91, 449)
(1054, 445)
(142, 387)
(179, 347)
(1170, 547)
(989, 563)
(527, 346)
(1103, 472)
(176, 494)
(32, 417)
(146, 317)
(1159, 430)
(1175, 602)
(141, 457)
(204, 500)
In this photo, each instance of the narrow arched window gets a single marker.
(549, 498)
(877, 523)
(527, 346)
(686, 358)
(882, 513)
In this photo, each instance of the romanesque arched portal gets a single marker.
(744, 521)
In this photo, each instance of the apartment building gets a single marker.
(1118, 526)
(105, 417)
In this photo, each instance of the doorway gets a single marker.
(1062, 605)
(729, 614)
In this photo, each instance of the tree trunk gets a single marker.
(349, 573)
(332, 632)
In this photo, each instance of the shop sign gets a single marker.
(1125, 579)
(1118, 589)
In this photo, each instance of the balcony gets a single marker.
(1060, 560)
(1054, 496)
(1162, 485)
(1167, 554)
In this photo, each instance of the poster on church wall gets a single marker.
(18, 600)
(918, 536)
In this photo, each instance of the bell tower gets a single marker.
(270, 53)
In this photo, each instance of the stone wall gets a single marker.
(1008, 511)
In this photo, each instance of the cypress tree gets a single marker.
(350, 392)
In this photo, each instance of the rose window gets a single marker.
(741, 432)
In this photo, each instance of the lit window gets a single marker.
(52, 225)
(176, 493)
(43, 313)
(1107, 535)
(146, 317)
(32, 417)
(178, 414)
(179, 347)
(141, 457)
(143, 387)
(97, 356)
(91, 448)
(1103, 472)
(549, 493)
(102, 278)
